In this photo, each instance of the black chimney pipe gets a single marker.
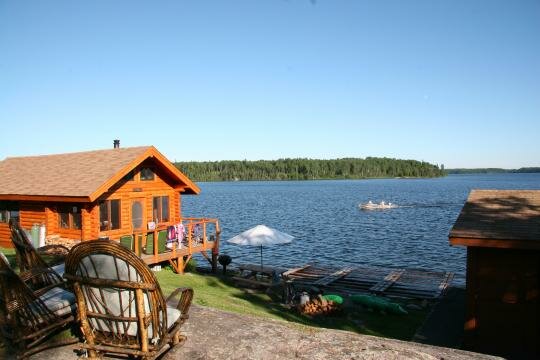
(116, 144)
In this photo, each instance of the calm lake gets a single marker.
(330, 229)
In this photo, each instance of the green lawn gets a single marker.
(219, 292)
(10, 254)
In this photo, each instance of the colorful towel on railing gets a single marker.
(171, 236)
(180, 232)
(175, 234)
(171, 233)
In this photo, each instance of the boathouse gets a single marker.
(128, 194)
(501, 230)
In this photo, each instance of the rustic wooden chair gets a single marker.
(121, 307)
(29, 259)
(162, 243)
(28, 318)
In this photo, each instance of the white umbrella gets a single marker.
(261, 235)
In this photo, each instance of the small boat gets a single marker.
(378, 303)
(373, 206)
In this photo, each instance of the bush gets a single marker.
(191, 266)
(224, 260)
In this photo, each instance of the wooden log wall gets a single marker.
(30, 213)
(5, 234)
(127, 192)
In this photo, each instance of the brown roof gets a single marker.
(79, 174)
(499, 218)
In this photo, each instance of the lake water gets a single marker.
(330, 229)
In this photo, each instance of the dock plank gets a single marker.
(388, 281)
(333, 277)
(295, 270)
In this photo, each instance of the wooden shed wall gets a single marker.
(503, 302)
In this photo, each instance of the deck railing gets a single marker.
(198, 236)
(197, 230)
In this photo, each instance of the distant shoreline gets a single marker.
(523, 170)
(335, 179)
(309, 169)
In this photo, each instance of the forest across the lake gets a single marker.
(523, 170)
(308, 169)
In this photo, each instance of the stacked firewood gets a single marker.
(318, 306)
(57, 240)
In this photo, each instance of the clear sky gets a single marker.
(449, 82)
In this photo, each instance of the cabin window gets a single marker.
(137, 214)
(147, 174)
(109, 215)
(9, 210)
(161, 209)
(69, 217)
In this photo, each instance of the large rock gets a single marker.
(215, 334)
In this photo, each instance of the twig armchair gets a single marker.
(28, 317)
(28, 257)
(121, 307)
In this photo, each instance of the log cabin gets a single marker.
(132, 195)
(501, 230)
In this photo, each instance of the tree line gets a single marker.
(493, 170)
(308, 169)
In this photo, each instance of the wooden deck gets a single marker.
(202, 236)
(403, 283)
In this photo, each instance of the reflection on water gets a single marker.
(329, 227)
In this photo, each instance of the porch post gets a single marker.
(215, 252)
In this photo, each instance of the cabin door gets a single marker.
(137, 214)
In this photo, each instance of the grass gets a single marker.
(10, 255)
(217, 291)
(220, 292)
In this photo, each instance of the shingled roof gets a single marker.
(81, 175)
(499, 218)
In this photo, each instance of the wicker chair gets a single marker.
(121, 307)
(27, 317)
(28, 257)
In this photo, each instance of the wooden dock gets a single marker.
(402, 283)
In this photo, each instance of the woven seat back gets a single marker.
(28, 259)
(22, 312)
(27, 256)
(107, 278)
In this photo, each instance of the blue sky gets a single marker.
(449, 82)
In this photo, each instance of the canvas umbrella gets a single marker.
(261, 235)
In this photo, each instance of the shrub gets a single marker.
(224, 260)
(191, 266)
